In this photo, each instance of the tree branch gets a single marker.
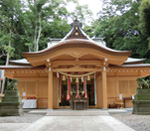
(3, 54)
(39, 33)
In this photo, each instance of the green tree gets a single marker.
(41, 16)
(144, 12)
(83, 13)
(9, 13)
(119, 26)
(48, 18)
(90, 29)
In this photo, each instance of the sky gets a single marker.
(94, 5)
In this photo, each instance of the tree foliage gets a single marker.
(9, 18)
(38, 15)
(144, 12)
(118, 24)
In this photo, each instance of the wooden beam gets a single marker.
(79, 62)
(77, 69)
(48, 64)
(9, 75)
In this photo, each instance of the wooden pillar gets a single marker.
(99, 91)
(104, 88)
(50, 89)
(55, 92)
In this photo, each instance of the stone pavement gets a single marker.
(90, 120)
(13, 126)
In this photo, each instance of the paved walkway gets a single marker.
(97, 120)
(13, 126)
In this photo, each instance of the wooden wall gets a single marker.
(38, 87)
(111, 89)
(121, 85)
(35, 87)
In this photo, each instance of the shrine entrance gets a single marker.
(70, 88)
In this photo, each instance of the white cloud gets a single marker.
(94, 5)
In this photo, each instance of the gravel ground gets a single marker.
(137, 122)
(26, 118)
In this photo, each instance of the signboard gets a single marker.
(120, 96)
(132, 97)
(24, 94)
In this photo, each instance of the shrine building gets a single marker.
(77, 67)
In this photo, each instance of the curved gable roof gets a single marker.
(77, 43)
(95, 48)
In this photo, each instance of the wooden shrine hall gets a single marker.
(77, 67)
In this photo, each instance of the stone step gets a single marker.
(77, 113)
(12, 112)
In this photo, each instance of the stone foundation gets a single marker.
(141, 103)
(11, 104)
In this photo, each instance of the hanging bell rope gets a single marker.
(77, 80)
(63, 78)
(77, 76)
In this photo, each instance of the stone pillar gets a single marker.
(50, 89)
(104, 88)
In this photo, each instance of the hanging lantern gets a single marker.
(57, 74)
(88, 78)
(63, 78)
(82, 79)
(83, 92)
(77, 80)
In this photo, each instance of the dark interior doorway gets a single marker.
(90, 92)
